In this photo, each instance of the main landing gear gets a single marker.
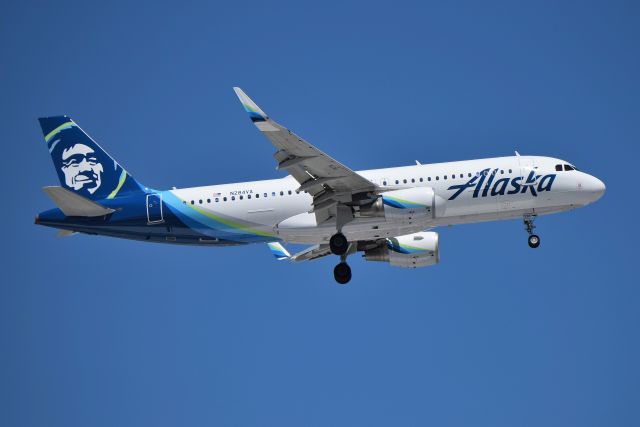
(342, 272)
(533, 240)
(339, 245)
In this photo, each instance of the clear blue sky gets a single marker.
(104, 332)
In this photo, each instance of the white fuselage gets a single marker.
(274, 206)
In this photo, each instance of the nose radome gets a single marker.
(601, 186)
(595, 186)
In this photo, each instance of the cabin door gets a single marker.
(154, 208)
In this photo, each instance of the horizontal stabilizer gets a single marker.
(72, 204)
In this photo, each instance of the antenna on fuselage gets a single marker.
(517, 154)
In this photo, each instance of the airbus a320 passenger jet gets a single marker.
(385, 213)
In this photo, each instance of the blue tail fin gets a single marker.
(81, 164)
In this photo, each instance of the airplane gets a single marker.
(387, 214)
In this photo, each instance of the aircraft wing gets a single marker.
(313, 252)
(323, 177)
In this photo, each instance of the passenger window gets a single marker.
(397, 182)
(208, 200)
(265, 194)
(413, 180)
(429, 178)
(224, 199)
(501, 172)
(249, 196)
(384, 182)
(282, 193)
(461, 175)
(289, 192)
(217, 200)
(445, 177)
(273, 193)
(233, 197)
(437, 178)
(257, 195)
(469, 174)
(404, 181)
(510, 171)
(420, 179)
(200, 201)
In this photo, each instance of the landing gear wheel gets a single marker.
(534, 241)
(342, 273)
(338, 244)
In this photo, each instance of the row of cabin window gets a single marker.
(453, 176)
(241, 197)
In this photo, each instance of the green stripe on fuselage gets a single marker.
(230, 223)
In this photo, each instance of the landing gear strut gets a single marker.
(534, 240)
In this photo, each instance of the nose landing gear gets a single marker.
(533, 240)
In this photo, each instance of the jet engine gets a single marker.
(408, 251)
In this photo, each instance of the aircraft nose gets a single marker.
(594, 187)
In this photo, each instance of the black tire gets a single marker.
(342, 273)
(534, 241)
(338, 244)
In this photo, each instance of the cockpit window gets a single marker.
(568, 168)
(558, 167)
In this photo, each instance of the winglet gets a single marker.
(255, 113)
(278, 251)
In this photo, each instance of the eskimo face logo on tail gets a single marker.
(533, 183)
(81, 168)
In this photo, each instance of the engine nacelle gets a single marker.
(410, 205)
(409, 251)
